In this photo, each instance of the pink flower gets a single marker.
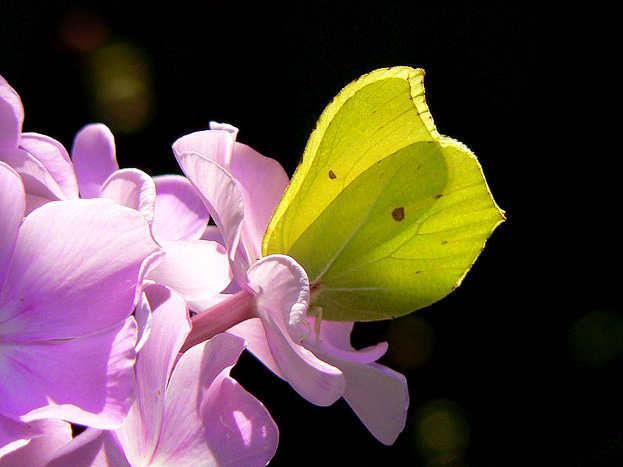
(196, 268)
(189, 412)
(169, 203)
(241, 189)
(273, 293)
(70, 277)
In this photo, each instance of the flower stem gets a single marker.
(219, 318)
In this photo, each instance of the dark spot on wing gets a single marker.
(332, 175)
(398, 214)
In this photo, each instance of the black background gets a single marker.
(529, 347)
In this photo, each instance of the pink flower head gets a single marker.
(197, 269)
(188, 412)
(274, 291)
(241, 189)
(70, 277)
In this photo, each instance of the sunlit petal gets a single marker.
(211, 419)
(75, 269)
(197, 270)
(86, 380)
(12, 205)
(94, 157)
(132, 188)
(179, 213)
(55, 159)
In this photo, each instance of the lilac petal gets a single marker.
(40, 186)
(94, 157)
(15, 434)
(242, 432)
(210, 419)
(12, 205)
(197, 270)
(55, 159)
(378, 395)
(334, 339)
(11, 116)
(143, 317)
(252, 330)
(91, 448)
(87, 380)
(54, 435)
(281, 305)
(212, 233)
(262, 181)
(170, 326)
(232, 130)
(179, 213)
(216, 145)
(75, 270)
(224, 202)
(132, 188)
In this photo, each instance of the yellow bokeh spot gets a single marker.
(120, 80)
(441, 433)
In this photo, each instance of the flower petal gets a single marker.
(281, 305)
(91, 448)
(143, 317)
(379, 396)
(54, 435)
(216, 145)
(40, 186)
(224, 202)
(12, 205)
(75, 270)
(262, 181)
(94, 158)
(334, 339)
(252, 330)
(55, 159)
(11, 116)
(211, 420)
(170, 326)
(179, 213)
(197, 270)
(15, 434)
(87, 380)
(132, 188)
(232, 130)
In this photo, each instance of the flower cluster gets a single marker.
(126, 299)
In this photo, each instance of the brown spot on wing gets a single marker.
(398, 214)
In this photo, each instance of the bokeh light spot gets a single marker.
(120, 78)
(596, 338)
(411, 340)
(441, 433)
